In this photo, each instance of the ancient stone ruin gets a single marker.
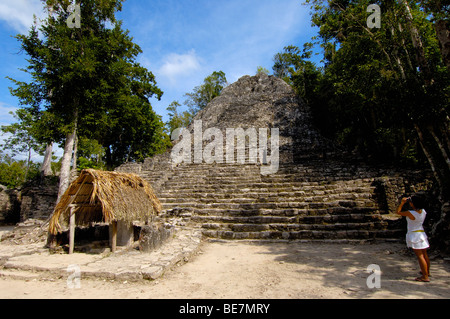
(317, 192)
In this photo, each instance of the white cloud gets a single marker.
(176, 66)
(5, 117)
(19, 13)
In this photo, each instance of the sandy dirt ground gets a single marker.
(263, 270)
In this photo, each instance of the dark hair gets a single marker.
(418, 201)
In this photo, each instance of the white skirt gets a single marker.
(417, 240)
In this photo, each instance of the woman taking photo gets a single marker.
(416, 237)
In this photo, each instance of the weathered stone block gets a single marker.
(154, 236)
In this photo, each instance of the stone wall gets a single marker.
(32, 202)
(154, 236)
(389, 189)
(38, 202)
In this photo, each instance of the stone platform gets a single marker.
(35, 262)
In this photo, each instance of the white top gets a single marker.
(417, 223)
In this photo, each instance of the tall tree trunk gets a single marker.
(418, 45)
(28, 162)
(408, 59)
(441, 146)
(396, 57)
(427, 152)
(435, 152)
(443, 34)
(431, 143)
(64, 177)
(73, 172)
(46, 168)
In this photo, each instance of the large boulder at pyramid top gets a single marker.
(264, 101)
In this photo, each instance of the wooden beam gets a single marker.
(71, 229)
(114, 236)
(81, 205)
(72, 197)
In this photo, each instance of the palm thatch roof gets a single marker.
(99, 196)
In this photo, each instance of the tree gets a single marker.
(261, 69)
(21, 139)
(212, 87)
(90, 154)
(387, 88)
(440, 12)
(292, 66)
(15, 173)
(177, 120)
(88, 79)
(130, 132)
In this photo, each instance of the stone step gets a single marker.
(347, 201)
(212, 206)
(236, 177)
(310, 200)
(313, 200)
(276, 213)
(246, 181)
(294, 227)
(19, 274)
(272, 219)
(273, 191)
(266, 189)
(334, 235)
(280, 191)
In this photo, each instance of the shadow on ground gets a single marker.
(345, 266)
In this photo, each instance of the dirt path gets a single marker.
(263, 270)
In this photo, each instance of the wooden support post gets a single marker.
(72, 229)
(114, 236)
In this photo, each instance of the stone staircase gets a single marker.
(313, 200)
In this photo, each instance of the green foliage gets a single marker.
(261, 69)
(14, 174)
(21, 134)
(375, 90)
(88, 78)
(438, 9)
(90, 154)
(83, 163)
(292, 66)
(211, 87)
(177, 120)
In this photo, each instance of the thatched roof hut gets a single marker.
(99, 196)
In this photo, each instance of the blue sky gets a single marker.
(183, 41)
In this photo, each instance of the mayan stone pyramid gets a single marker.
(264, 101)
(309, 196)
